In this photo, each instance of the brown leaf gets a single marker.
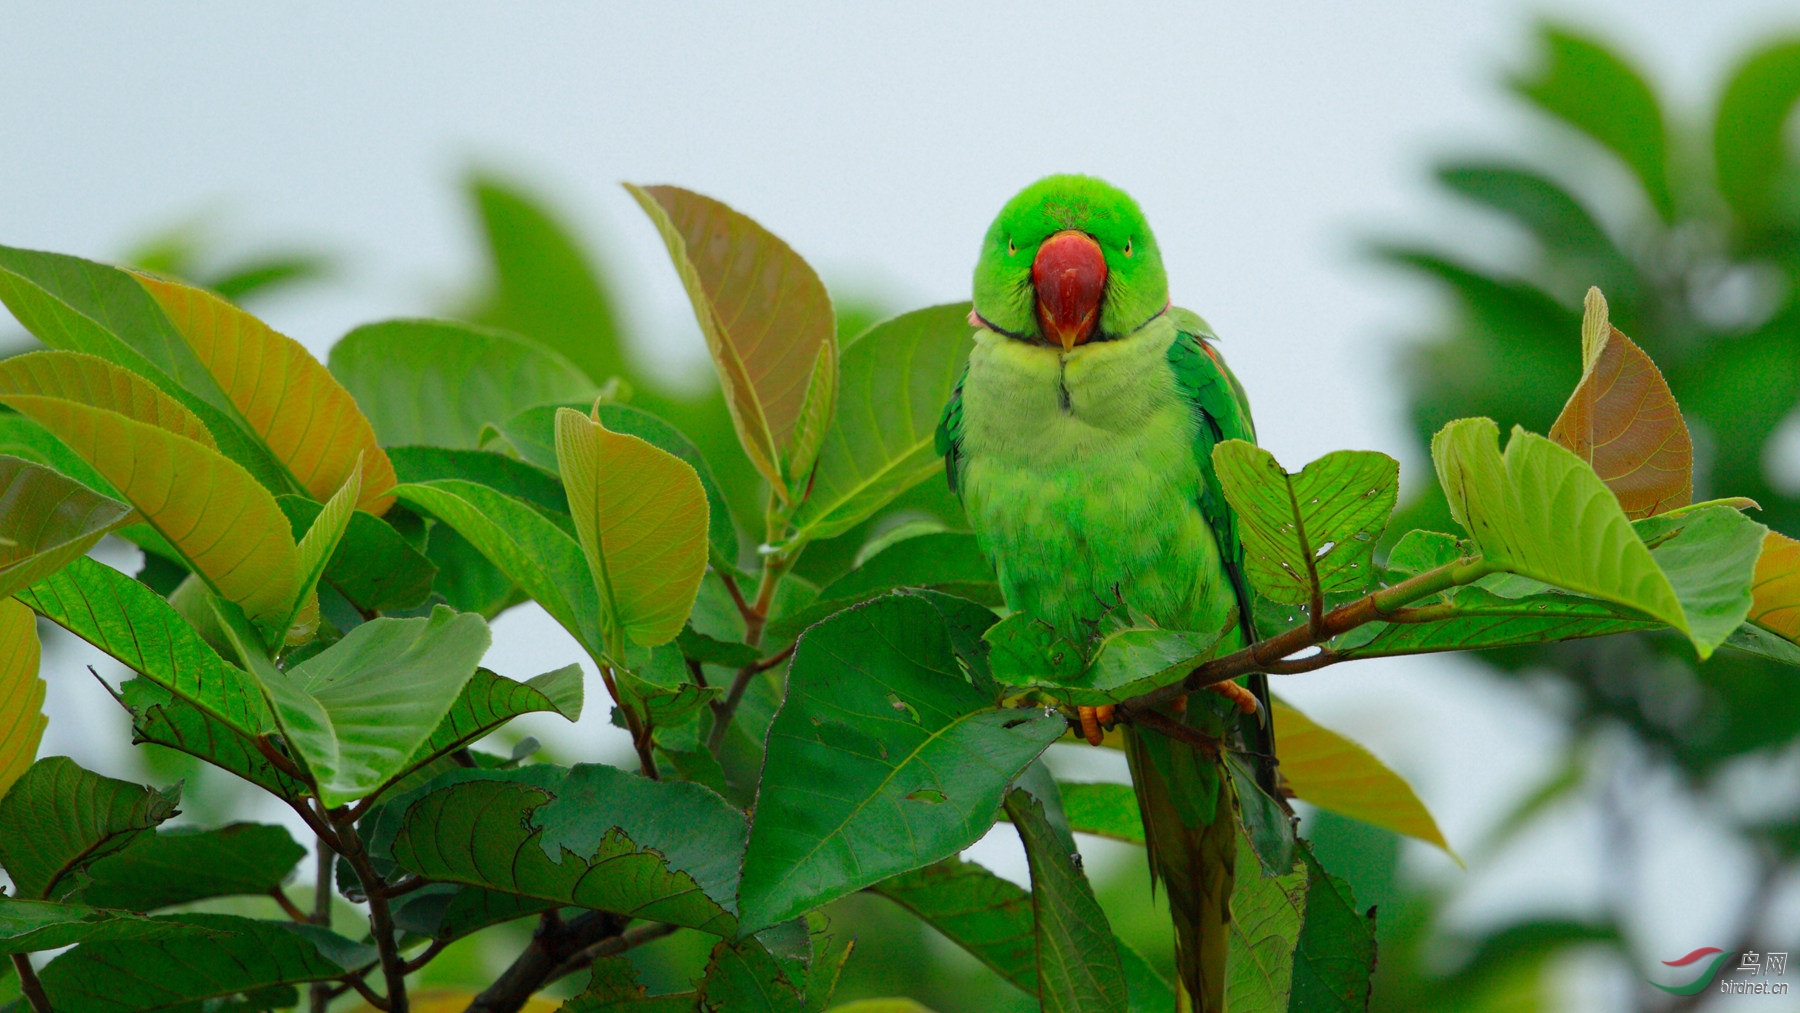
(1775, 588)
(1623, 420)
(768, 324)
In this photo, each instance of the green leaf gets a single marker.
(1077, 960)
(744, 976)
(1109, 810)
(544, 285)
(1589, 87)
(523, 544)
(160, 717)
(284, 396)
(640, 513)
(992, 920)
(1709, 554)
(613, 987)
(241, 955)
(881, 737)
(30, 925)
(1309, 534)
(448, 911)
(532, 433)
(226, 526)
(1029, 654)
(373, 565)
(488, 701)
(541, 488)
(137, 627)
(171, 867)
(1334, 959)
(22, 689)
(591, 835)
(1475, 618)
(1266, 917)
(81, 306)
(58, 818)
(1749, 154)
(1537, 202)
(1266, 825)
(894, 382)
(47, 520)
(1541, 512)
(767, 322)
(945, 561)
(369, 702)
(436, 383)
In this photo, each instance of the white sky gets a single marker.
(878, 141)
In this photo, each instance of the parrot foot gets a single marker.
(1245, 700)
(1094, 721)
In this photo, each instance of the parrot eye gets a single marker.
(1010, 248)
(1128, 247)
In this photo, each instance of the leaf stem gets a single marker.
(29, 983)
(756, 616)
(291, 909)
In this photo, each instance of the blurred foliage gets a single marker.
(1692, 229)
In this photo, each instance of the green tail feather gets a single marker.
(1192, 846)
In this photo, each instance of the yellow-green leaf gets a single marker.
(306, 418)
(46, 520)
(21, 692)
(641, 515)
(226, 527)
(315, 549)
(1623, 420)
(1332, 772)
(91, 380)
(767, 322)
(1540, 511)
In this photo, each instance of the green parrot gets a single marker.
(1080, 441)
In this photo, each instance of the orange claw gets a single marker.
(1245, 700)
(1090, 725)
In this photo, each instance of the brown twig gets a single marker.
(1174, 729)
(737, 596)
(418, 962)
(29, 983)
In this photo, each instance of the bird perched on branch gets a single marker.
(1080, 440)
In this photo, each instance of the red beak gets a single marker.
(1070, 277)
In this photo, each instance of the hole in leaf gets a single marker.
(1303, 653)
(931, 795)
(1323, 549)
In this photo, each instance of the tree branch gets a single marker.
(381, 922)
(612, 947)
(1273, 654)
(29, 983)
(553, 944)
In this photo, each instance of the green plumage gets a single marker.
(1087, 477)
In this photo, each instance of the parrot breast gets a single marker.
(1079, 478)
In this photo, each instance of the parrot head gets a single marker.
(1069, 260)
